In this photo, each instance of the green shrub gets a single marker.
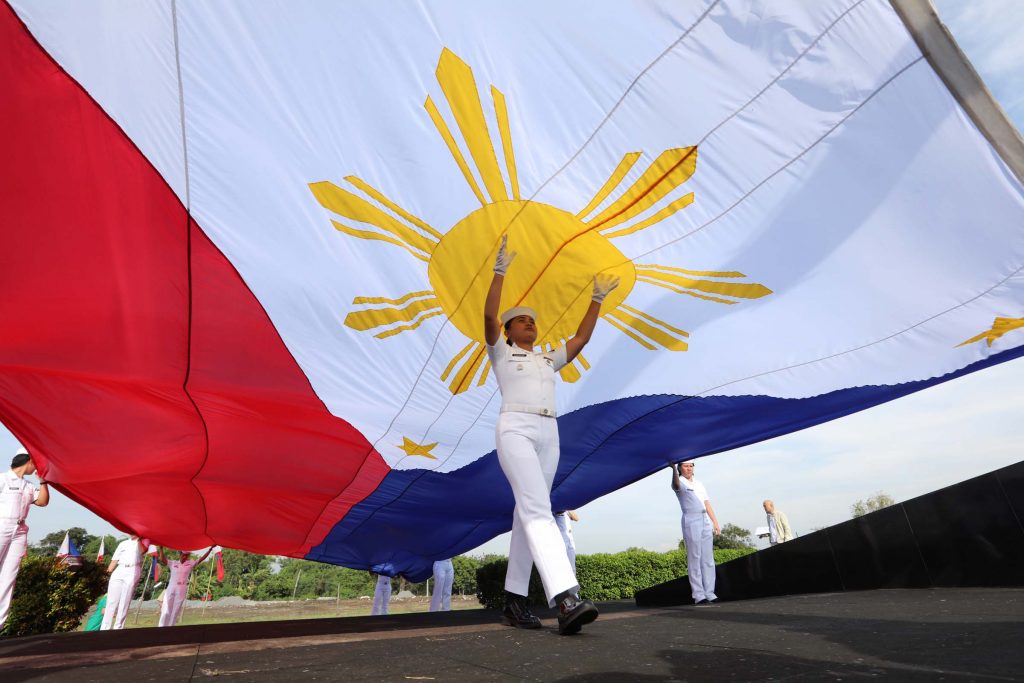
(51, 598)
(602, 576)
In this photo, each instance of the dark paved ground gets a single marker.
(900, 635)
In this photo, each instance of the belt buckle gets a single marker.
(545, 412)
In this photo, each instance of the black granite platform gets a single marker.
(949, 634)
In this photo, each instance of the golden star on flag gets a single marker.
(412, 448)
(999, 327)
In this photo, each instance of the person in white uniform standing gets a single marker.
(177, 585)
(381, 596)
(16, 497)
(125, 568)
(444, 576)
(699, 528)
(527, 440)
(564, 521)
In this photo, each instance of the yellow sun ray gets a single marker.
(501, 113)
(677, 205)
(459, 88)
(370, 318)
(368, 235)
(613, 181)
(674, 279)
(393, 302)
(453, 148)
(650, 327)
(377, 195)
(412, 326)
(344, 203)
(465, 349)
(672, 168)
(467, 371)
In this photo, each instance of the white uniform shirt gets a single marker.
(128, 556)
(16, 497)
(526, 378)
(180, 571)
(692, 496)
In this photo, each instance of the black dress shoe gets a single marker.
(517, 613)
(713, 601)
(702, 602)
(574, 614)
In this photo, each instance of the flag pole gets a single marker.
(209, 585)
(142, 598)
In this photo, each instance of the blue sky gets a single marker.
(905, 448)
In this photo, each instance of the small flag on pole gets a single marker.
(219, 552)
(154, 569)
(68, 553)
(99, 556)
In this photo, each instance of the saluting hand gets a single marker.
(504, 258)
(603, 285)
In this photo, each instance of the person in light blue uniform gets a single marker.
(444, 576)
(700, 526)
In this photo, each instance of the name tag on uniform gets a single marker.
(519, 355)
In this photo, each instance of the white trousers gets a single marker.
(381, 595)
(528, 454)
(565, 527)
(700, 555)
(444, 575)
(173, 605)
(13, 546)
(120, 590)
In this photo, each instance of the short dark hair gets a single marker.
(20, 459)
(508, 340)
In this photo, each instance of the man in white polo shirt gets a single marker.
(700, 526)
(125, 568)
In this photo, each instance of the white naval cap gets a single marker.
(516, 312)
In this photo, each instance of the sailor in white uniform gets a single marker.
(125, 568)
(699, 528)
(527, 440)
(16, 497)
(177, 585)
(381, 595)
(444, 576)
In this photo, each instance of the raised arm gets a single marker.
(675, 477)
(205, 555)
(492, 324)
(603, 284)
(43, 495)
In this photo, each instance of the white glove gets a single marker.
(504, 258)
(603, 284)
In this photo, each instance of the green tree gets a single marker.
(876, 502)
(732, 537)
(464, 581)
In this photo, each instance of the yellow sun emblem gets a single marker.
(558, 251)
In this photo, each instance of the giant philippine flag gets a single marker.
(245, 247)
